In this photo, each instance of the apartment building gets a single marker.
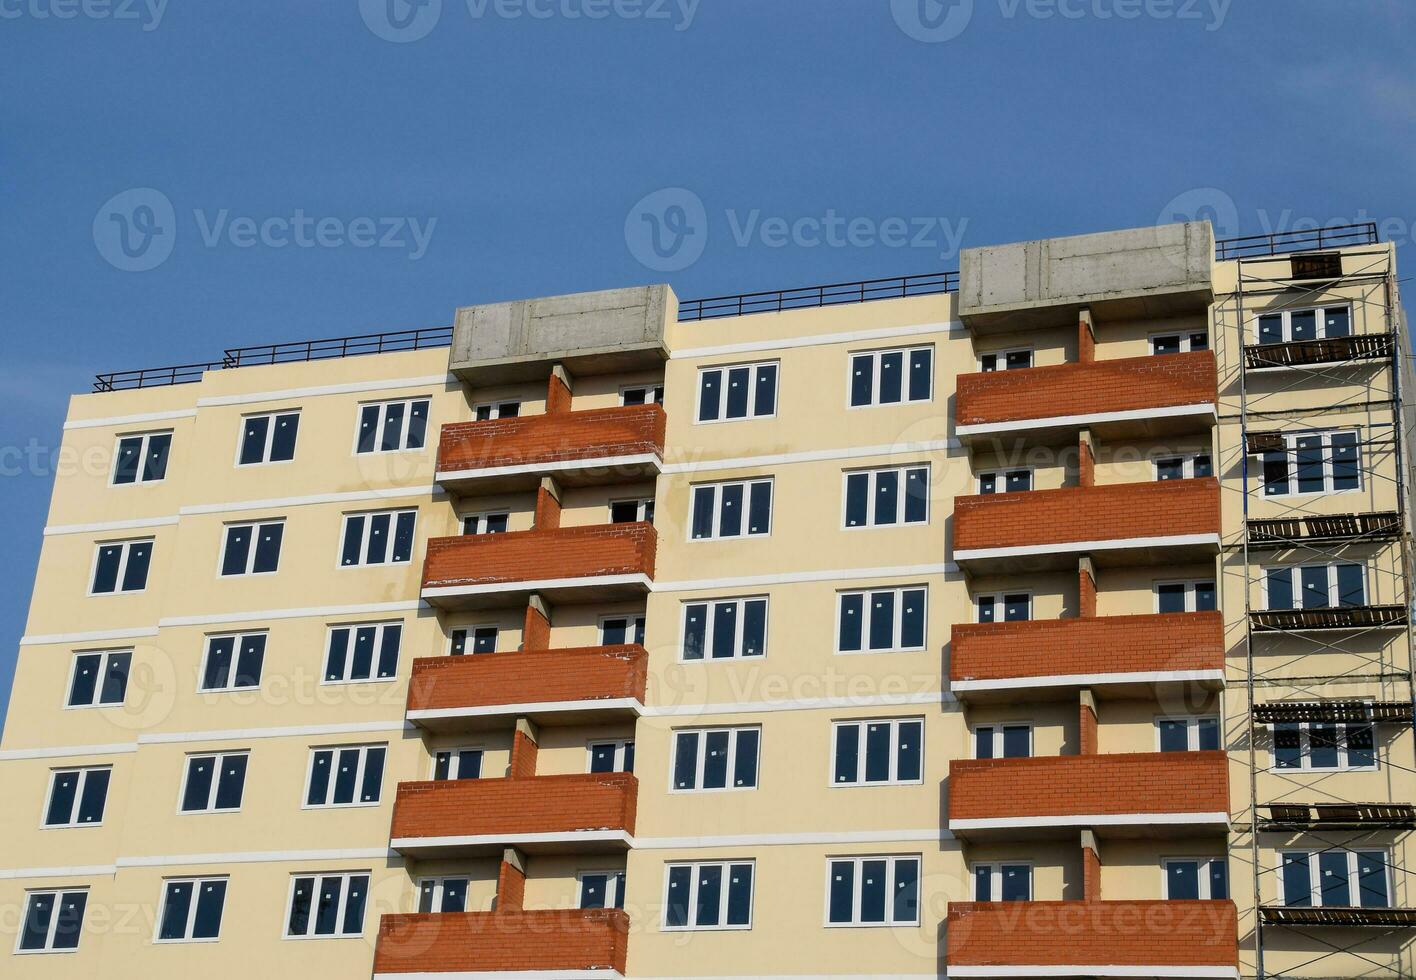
(1044, 619)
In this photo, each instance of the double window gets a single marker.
(252, 549)
(1003, 740)
(390, 427)
(489, 523)
(1191, 734)
(327, 905)
(487, 411)
(732, 510)
(716, 758)
(1323, 746)
(871, 753)
(1005, 481)
(1290, 325)
(616, 630)
(457, 764)
(616, 755)
(741, 391)
(348, 775)
(872, 891)
(99, 678)
(1187, 466)
(642, 395)
(191, 910)
(716, 895)
(1176, 343)
(141, 458)
(1002, 882)
(1003, 607)
(364, 652)
(1006, 360)
(121, 566)
(214, 783)
(601, 890)
(880, 498)
(1313, 462)
(1190, 878)
(53, 921)
(1315, 586)
(1335, 878)
(725, 629)
(378, 537)
(474, 639)
(268, 438)
(881, 620)
(442, 895)
(1189, 596)
(233, 662)
(889, 377)
(77, 797)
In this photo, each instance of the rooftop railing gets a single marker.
(831, 294)
(1279, 242)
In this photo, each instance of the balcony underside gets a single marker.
(1127, 686)
(492, 845)
(557, 591)
(1105, 553)
(1164, 421)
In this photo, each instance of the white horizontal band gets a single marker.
(815, 456)
(357, 609)
(66, 751)
(314, 391)
(483, 840)
(538, 585)
(1066, 547)
(799, 704)
(507, 975)
(793, 578)
(559, 465)
(820, 339)
(97, 636)
(258, 857)
(1090, 418)
(351, 496)
(541, 707)
(139, 419)
(77, 871)
(927, 835)
(102, 527)
(1087, 680)
(1201, 972)
(1090, 820)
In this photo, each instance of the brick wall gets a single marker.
(1125, 384)
(1178, 933)
(528, 677)
(528, 556)
(537, 805)
(504, 941)
(1125, 510)
(1132, 782)
(601, 433)
(1093, 645)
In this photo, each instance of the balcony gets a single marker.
(551, 687)
(574, 814)
(1126, 794)
(1167, 522)
(561, 942)
(1093, 939)
(1120, 656)
(1126, 397)
(596, 563)
(605, 445)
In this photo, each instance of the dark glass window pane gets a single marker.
(115, 679)
(1199, 341)
(1303, 324)
(1361, 750)
(709, 393)
(592, 891)
(105, 573)
(737, 393)
(363, 660)
(730, 510)
(686, 760)
(629, 757)
(905, 895)
(1182, 880)
(125, 469)
(38, 915)
(469, 763)
(1297, 889)
(759, 517)
(624, 511)
(916, 495)
(327, 906)
(892, 366)
(368, 428)
(703, 498)
(282, 444)
(847, 753)
(209, 905)
(715, 760)
(988, 483)
(63, 789)
(724, 629)
(877, 753)
(739, 894)
(754, 627)
(1372, 880)
(745, 760)
(1333, 887)
(1219, 878)
(766, 390)
(201, 770)
(842, 891)
(873, 889)
(1271, 329)
(983, 742)
(417, 425)
(248, 662)
(155, 464)
(1351, 589)
(388, 650)
(1205, 598)
(862, 379)
(300, 902)
(71, 920)
(912, 619)
(1287, 746)
(85, 680)
(454, 897)
(1016, 607)
(1172, 468)
(680, 883)
(459, 642)
(268, 547)
(320, 767)
(1017, 742)
(857, 496)
(1322, 746)
(376, 552)
(602, 759)
(1314, 580)
(238, 549)
(442, 766)
(1336, 322)
(1018, 480)
(1017, 883)
(373, 776)
(253, 440)
(1208, 732)
(353, 540)
(882, 620)
(920, 374)
(346, 772)
(695, 630)
(1170, 598)
(231, 783)
(1308, 454)
(633, 396)
(1280, 588)
(887, 497)
(907, 761)
(1344, 461)
(983, 883)
(176, 904)
(1203, 465)
(136, 574)
(338, 650)
(393, 427)
(497, 523)
(220, 651)
(987, 609)
(707, 908)
(1169, 344)
(1275, 473)
(1174, 736)
(94, 795)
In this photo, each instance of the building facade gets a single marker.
(1045, 619)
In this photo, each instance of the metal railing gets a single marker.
(831, 294)
(1279, 242)
(180, 374)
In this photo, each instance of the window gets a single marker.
(252, 549)
(1002, 882)
(716, 758)
(233, 663)
(1005, 481)
(1009, 360)
(496, 410)
(327, 905)
(390, 427)
(99, 678)
(1194, 734)
(121, 566)
(1315, 586)
(714, 895)
(738, 392)
(1289, 325)
(1335, 878)
(642, 395)
(629, 511)
(1176, 343)
(870, 753)
(474, 639)
(378, 537)
(1191, 878)
(457, 764)
(718, 509)
(442, 895)
(888, 377)
(1007, 607)
(880, 620)
(214, 783)
(77, 797)
(268, 438)
(617, 630)
(878, 498)
(489, 523)
(612, 756)
(1193, 596)
(1313, 462)
(53, 920)
(601, 890)
(725, 629)
(872, 891)
(191, 910)
(349, 775)
(354, 651)
(1326, 746)
(1183, 467)
(1012, 740)
(141, 458)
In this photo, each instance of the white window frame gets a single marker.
(237, 640)
(196, 884)
(1000, 479)
(875, 356)
(1202, 875)
(740, 625)
(897, 636)
(701, 761)
(1191, 586)
(73, 820)
(692, 903)
(997, 737)
(653, 393)
(1187, 463)
(752, 367)
(614, 881)
(257, 528)
(59, 894)
(634, 625)
(1001, 358)
(103, 665)
(863, 724)
(1305, 748)
(145, 440)
(220, 760)
(454, 761)
(126, 544)
(1290, 450)
(995, 878)
(642, 505)
(717, 489)
(480, 517)
(1315, 885)
(872, 476)
(379, 630)
(470, 632)
(439, 883)
(857, 883)
(621, 745)
(369, 516)
(382, 425)
(1183, 335)
(269, 446)
(494, 409)
(999, 602)
(1192, 729)
(364, 749)
(1296, 583)
(319, 877)
(1319, 316)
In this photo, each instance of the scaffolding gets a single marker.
(1343, 657)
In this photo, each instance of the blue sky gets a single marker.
(349, 166)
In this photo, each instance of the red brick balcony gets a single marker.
(504, 943)
(1126, 523)
(1124, 654)
(583, 812)
(567, 687)
(1156, 395)
(603, 445)
(598, 562)
(1125, 791)
(1093, 939)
